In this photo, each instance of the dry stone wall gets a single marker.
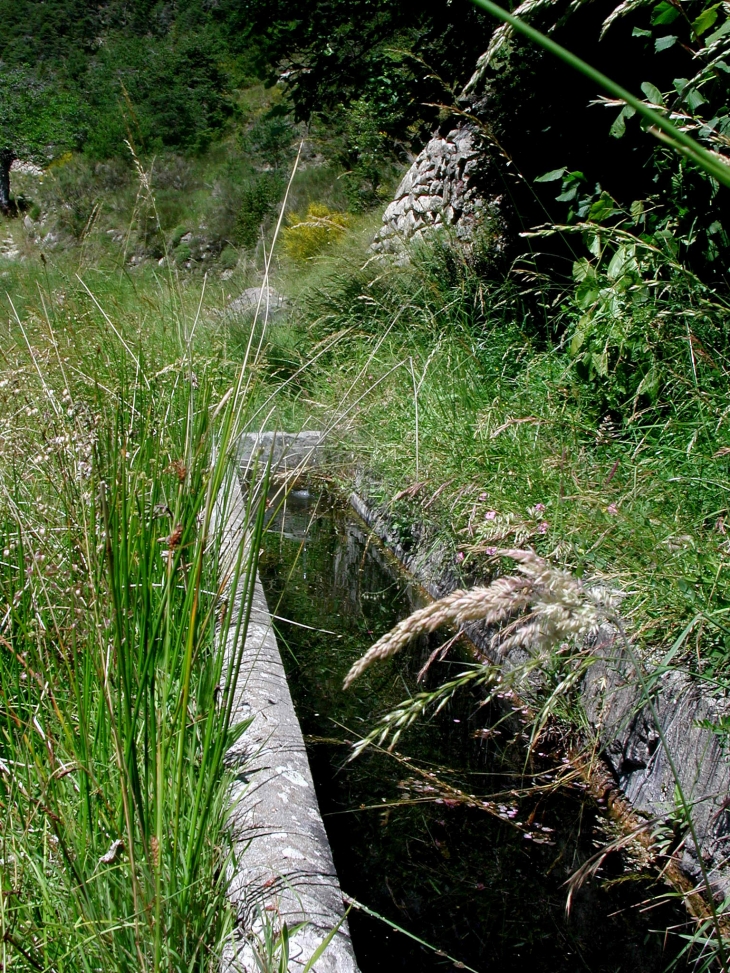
(440, 189)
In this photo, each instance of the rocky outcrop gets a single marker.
(441, 189)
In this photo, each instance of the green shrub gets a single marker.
(183, 253)
(259, 198)
(228, 259)
(270, 139)
(177, 234)
(308, 234)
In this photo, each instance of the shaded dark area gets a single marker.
(540, 115)
(408, 836)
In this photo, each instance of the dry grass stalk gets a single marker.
(548, 607)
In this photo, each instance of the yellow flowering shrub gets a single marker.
(308, 234)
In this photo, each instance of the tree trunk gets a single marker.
(7, 156)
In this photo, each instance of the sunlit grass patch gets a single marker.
(462, 396)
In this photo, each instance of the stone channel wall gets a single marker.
(284, 870)
(614, 705)
(441, 189)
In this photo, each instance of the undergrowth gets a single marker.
(114, 700)
(477, 412)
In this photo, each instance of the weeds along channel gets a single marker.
(457, 834)
(488, 407)
(115, 441)
(476, 412)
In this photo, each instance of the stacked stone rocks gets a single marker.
(440, 189)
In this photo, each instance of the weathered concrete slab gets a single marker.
(286, 452)
(262, 300)
(285, 871)
(686, 708)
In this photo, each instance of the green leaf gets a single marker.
(577, 343)
(694, 99)
(570, 193)
(618, 129)
(664, 13)
(600, 363)
(638, 32)
(637, 210)
(586, 294)
(720, 32)
(653, 94)
(551, 176)
(618, 263)
(649, 385)
(664, 43)
(705, 20)
(603, 207)
(582, 269)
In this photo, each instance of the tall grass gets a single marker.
(518, 444)
(115, 708)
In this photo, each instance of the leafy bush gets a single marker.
(308, 234)
(259, 198)
(364, 150)
(646, 328)
(270, 139)
(228, 259)
(183, 254)
(177, 234)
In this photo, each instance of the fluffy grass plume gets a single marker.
(548, 606)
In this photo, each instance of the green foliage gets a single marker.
(183, 254)
(270, 140)
(365, 146)
(121, 70)
(258, 201)
(38, 119)
(370, 73)
(177, 234)
(511, 441)
(111, 679)
(645, 329)
(307, 234)
(159, 93)
(228, 259)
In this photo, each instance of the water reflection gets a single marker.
(409, 835)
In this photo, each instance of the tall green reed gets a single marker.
(115, 703)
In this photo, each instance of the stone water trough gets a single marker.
(286, 872)
(285, 869)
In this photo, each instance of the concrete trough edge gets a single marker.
(284, 869)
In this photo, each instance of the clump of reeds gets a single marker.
(115, 706)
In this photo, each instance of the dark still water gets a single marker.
(408, 837)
